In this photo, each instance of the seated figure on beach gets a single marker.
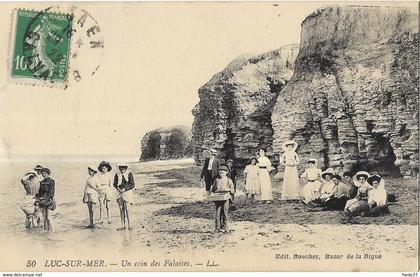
(31, 186)
(359, 203)
(328, 186)
(312, 176)
(377, 197)
(220, 193)
(340, 195)
(124, 184)
(252, 182)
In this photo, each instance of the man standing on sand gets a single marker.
(210, 169)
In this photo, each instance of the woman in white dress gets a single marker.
(265, 167)
(290, 159)
(106, 193)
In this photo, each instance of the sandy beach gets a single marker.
(173, 225)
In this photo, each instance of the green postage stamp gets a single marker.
(40, 47)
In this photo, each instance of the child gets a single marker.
(105, 191)
(45, 197)
(232, 175)
(220, 194)
(252, 185)
(90, 196)
(312, 174)
(290, 160)
(31, 185)
(124, 183)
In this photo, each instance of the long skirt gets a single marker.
(265, 185)
(356, 207)
(336, 204)
(291, 187)
(310, 191)
(222, 210)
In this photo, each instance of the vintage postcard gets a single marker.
(209, 136)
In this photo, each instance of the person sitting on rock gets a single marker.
(312, 176)
(359, 203)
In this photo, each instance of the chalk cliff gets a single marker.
(166, 143)
(353, 99)
(235, 107)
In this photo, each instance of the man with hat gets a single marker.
(210, 169)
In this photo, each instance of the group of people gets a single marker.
(102, 186)
(361, 194)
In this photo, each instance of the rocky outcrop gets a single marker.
(235, 107)
(353, 99)
(166, 143)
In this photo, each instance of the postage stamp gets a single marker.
(40, 47)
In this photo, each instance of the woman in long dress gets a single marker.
(265, 167)
(290, 159)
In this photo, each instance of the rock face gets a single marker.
(166, 143)
(353, 99)
(234, 112)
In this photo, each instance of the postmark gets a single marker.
(40, 47)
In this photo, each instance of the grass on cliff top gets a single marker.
(281, 212)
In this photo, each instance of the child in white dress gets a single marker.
(252, 184)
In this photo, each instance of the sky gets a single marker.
(155, 57)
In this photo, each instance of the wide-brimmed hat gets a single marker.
(314, 161)
(328, 171)
(213, 151)
(38, 167)
(93, 168)
(374, 178)
(229, 161)
(223, 167)
(362, 174)
(289, 142)
(46, 170)
(122, 165)
(105, 163)
(32, 172)
(253, 158)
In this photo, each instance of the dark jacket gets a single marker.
(46, 189)
(214, 168)
(125, 184)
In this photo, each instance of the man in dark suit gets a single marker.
(210, 169)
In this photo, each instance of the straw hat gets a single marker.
(289, 142)
(38, 167)
(314, 161)
(123, 165)
(362, 174)
(213, 151)
(328, 171)
(93, 168)
(223, 168)
(374, 178)
(105, 163)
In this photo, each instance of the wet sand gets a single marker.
(172, 221)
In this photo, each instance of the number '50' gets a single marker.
(31, 263)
